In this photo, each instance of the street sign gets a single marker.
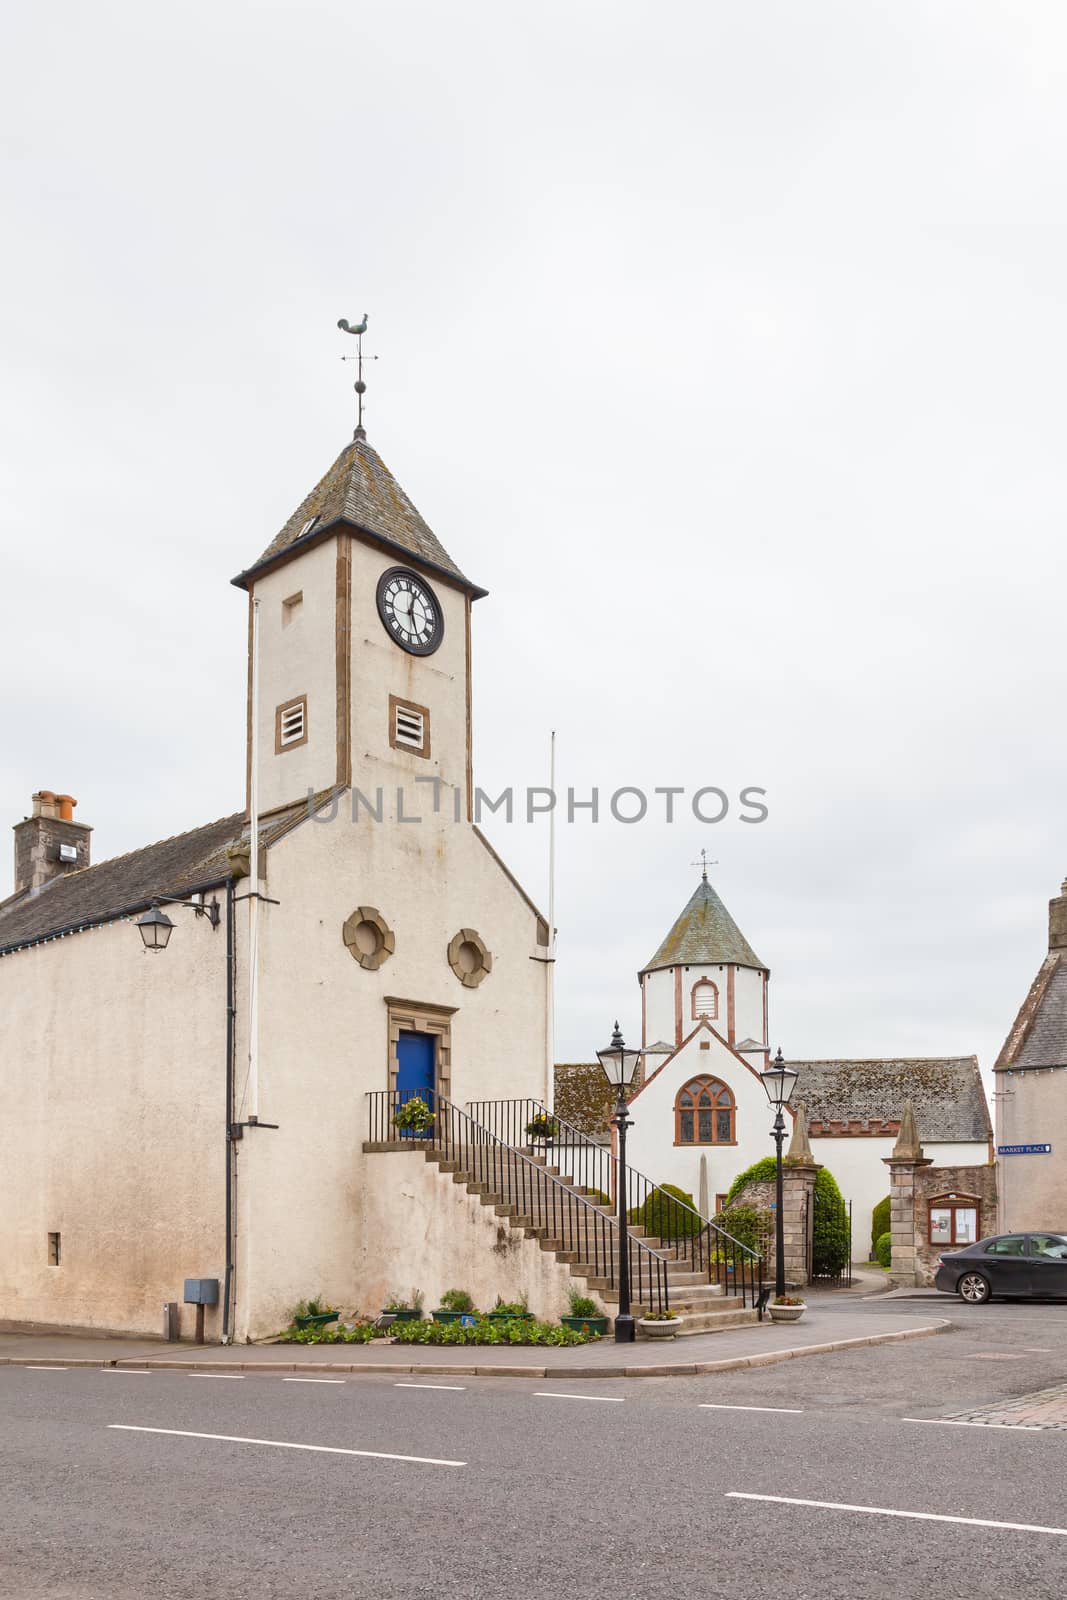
(1024, 1149)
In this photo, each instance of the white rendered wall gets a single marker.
(113, 1127)
(324, 1037)
(669, 1015)
(858, 1165)
(1031, 1108)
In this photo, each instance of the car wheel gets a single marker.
(973, 1288)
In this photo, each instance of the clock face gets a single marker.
(409, 611)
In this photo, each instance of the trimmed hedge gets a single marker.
(760, 1171)
(662, 1218)
(883, 1250)
(831, 1241)
(879, 1225)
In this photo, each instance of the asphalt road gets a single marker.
(497, 1487)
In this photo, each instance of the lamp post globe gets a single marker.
(779, 1081)
(620, 1065)
(156, 927)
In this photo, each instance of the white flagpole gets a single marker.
(253, 872)
(550, 987)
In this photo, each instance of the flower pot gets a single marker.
(785, 1313)
(451, 1316)
(586, 1324)
(655, 1328)
(402, 1316)
(318, 1320)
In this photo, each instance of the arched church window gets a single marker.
(705, 999)
(704, 1113)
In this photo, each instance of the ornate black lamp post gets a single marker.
(779, 1082)
(619, 1066)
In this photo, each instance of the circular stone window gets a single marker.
(368, 937)
(469, 958)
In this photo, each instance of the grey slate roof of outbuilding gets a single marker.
(129, 883)
(1039, 1035)
(705, 935)
(946, 1091)
(360, 490)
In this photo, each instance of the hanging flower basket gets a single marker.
(414, 1119)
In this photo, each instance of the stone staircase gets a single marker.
(531, 1212)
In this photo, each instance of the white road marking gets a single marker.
(28, 1368)
(555, 1394)
(285, 1444)
(129, 1372)
(885, 1511)
(949, 1422)
(789, 1411)
(457, 1388)
(228, 1377)
(1038, 1349)
(313, 1380)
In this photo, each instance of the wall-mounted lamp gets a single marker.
(156, 927)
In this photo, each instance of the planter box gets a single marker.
(785, 1313)
(586, 1324)
(659, 1330)
(403, 1316)
(318, 1320)
(455, 1316)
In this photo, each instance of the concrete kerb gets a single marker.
(686, 1369)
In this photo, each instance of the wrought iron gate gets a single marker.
(828, 1234)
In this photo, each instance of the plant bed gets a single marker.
(511, 1331)
(359, 1332)
(508, 1316)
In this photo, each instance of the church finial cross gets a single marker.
(358, 329)
(704, 864)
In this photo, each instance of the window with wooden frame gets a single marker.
(291, 724)
(704, 1113)
(705, 999)
(409, 726)
(953, 1220)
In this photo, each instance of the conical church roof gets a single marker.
(360, 490)
(705, 935)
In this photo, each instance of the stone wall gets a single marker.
(937, 1183)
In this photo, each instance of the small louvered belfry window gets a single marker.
(705, 999)
(409, 726)
(291, 724)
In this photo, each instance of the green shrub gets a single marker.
(456, 1300)
(831, 1243)
(514, 1308)
(483, 1332)
(359, 1332)
(879, 1224)
(663, 1217)
(396, 1302)
(316, 1306)
(883, 1250)
(759, 1172)
(582, 1306)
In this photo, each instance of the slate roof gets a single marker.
(946, 1091)
(360, 490)
(1038, 1037)
(129, 883)
(705, 935)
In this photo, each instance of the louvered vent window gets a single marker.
(291, 724)
(409, 727)
(705, 999)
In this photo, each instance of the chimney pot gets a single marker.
(66, 803)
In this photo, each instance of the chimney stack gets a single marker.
(49, 843)
(1057, 920)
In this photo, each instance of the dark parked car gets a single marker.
(1012, 1264)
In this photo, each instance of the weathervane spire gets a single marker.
(704, 864)
(358, 329)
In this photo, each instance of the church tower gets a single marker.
(363, 623)
(705, 968)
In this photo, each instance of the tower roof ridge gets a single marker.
(360, 491)
(705, 935)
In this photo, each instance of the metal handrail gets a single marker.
(579, 1224)
(696, 1240)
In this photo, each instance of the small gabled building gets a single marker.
(1031, 1093)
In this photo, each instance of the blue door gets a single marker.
(416, 1055)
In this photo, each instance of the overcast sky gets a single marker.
(724, 344)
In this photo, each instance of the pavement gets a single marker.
(846, 1476)
(830, 1324)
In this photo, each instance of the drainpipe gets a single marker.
(231, 1145)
